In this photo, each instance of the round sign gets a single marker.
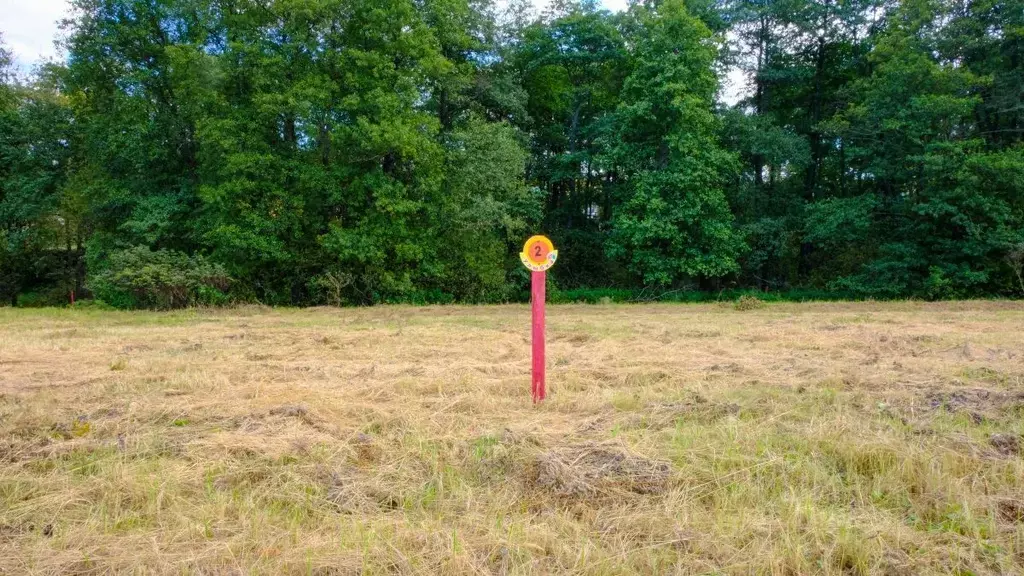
(539, 254)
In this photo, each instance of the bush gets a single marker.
(43, 299)
(748, 302)
(164, 279)
(330, 288)
(422, 298)
(595, 295)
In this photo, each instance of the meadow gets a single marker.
(863, 438)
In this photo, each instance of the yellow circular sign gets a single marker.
(539, 254)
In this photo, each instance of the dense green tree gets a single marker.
(349, 152)
(939, 212)
(127, 59)
(800, 58)
(485, 212)
(40, 224)
(674, 221)
(572, 65)
(303, 145)
(12, 265)
(987, 37)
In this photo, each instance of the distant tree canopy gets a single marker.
(353, 151)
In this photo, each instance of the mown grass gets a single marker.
(779, 439)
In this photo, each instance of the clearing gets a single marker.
(789, 439)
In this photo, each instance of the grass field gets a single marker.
(790, 439)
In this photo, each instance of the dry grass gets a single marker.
(786, 439)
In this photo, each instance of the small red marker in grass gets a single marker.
(538, 255)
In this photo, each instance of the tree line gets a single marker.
(351, 151)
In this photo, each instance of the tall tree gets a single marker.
(572, 66)
(346, 151)
(939, 212)
(11, 264)
(674, 223)
(39, 223)
(987, 37)
(801, 58)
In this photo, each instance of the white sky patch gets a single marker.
(613, 5)
(734, 87)
(29, 28)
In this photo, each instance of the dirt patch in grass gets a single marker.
(979, 403)
(698, 410)
(1011, 510)
(577, 338)
(291, 411)
(1006, 444)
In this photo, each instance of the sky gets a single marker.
(29, 28)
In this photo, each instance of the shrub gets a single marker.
(141, 278)
(330, 287)
(43, 299)
(748, 302)
(1015, 258)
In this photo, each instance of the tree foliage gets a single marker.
(674, 221)
(352, 152)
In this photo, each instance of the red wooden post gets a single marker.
(538, 296)
(538, 255)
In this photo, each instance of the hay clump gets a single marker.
(587, 470)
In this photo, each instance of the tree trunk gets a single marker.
(758, 160)
(813, 171)
(573, 197)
